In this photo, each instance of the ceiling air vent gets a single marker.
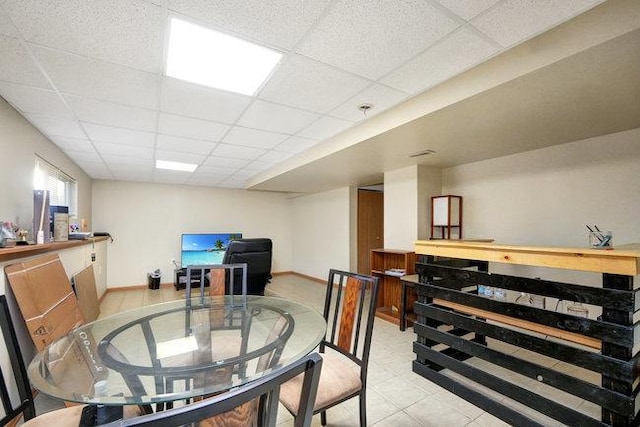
(422, 153)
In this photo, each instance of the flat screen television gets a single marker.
(205, 248)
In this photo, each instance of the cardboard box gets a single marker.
(87, 294)
(45, 298)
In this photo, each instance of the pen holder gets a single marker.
(600, 239)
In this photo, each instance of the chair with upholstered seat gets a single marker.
(264, 390)
(349, 311)
(17, 397)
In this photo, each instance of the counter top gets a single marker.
(14, 252)
(624, 259)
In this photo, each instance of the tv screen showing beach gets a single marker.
(205, 248)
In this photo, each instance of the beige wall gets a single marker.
(547, 197)
(146, 221)
(429, 184)
(407, 201)
(19, 144)
(321, 232)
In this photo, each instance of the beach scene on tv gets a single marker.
(205, 248)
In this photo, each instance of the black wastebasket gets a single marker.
(154, 280)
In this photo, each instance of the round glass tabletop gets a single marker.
(176, 350)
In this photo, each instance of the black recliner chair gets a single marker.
(256, 253)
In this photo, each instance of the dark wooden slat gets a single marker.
(593, 361)
(482, 401)
(605, 398)
(618, 299)
(618, 334)
(517, 393)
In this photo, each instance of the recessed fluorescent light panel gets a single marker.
(203, 56)
(175, 166)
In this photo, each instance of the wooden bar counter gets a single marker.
(543, 365)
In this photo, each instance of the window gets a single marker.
(62, 188)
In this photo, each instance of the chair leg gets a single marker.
(323, 418)
(363, 409)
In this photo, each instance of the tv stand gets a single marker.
(180, 279)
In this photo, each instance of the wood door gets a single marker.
(370, 226)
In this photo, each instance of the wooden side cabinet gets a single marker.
(383, 262)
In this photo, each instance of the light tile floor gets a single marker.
(396, 396)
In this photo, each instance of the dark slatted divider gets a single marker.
(453, 323)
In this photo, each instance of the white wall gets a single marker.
(401, 208)
(547, 197)
(429, 184)
(407, 204)
(146, 221)
(19, 144)
(321, 232)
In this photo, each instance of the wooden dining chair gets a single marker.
(221, 278)
(15, 390)
(265, 389)
(349, 310)
(17, 397)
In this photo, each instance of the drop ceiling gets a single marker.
(90, 76)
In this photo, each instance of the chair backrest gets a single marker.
(256, 253)
(223, 279)
(267, 388)
(15, 389)
(349, 310)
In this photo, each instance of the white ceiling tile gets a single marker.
(309, 85)
(236, 152)
(96, 170)
(217, 172)
(372, 37)
(73, 144)
(135, 175)
(280, 23)
(56, 127)
(453, 55)
(325, 128)
(185, 145)
(253, 137)
(514, 21)
(127, 32)
(119, 135)
(107, 149)
(84, 156)
(204, 180)
(188, 127)
(273, 157)
(17, 66)
(120, 162)
(175, 156)
(6, 26)
(295, 144)
(381, 97)
(233, 182)
(191, 100)
(76, 75)
(110, 114)
(467, 9)
(276, 118)
(28, 99)
(223, 162)
(248, 173)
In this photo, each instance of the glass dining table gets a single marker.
(175, 351)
